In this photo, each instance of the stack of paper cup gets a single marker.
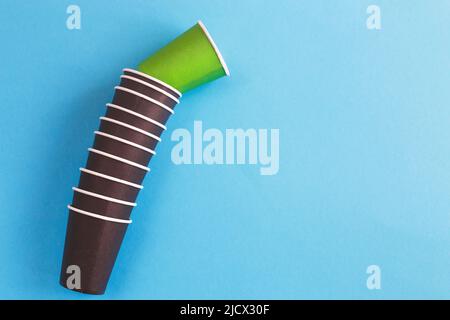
(123, 146)
(110, 182)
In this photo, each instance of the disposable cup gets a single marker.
(114, 145)
(189, 61)
(128, 116)
(91, 246)
(89, 201)
(112, 128)
(149, 90)
(111, 167)
(141, 106)
(107, 185)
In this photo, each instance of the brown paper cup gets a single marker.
(140, 105)
(91, 244)
(148, 89)
(117, 189)
(114, 145)
(118, 130)
(115, 168)
(128, 116)
(151, 80)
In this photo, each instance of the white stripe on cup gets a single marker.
(143, 96)
(129, 126)
(108, 155)
(153, 79)
(115, 106)
(110, 136)
(98, 216)
(100, 196)
(150, 86)
(105, 176)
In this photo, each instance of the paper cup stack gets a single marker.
(110, 182)
(123, 146)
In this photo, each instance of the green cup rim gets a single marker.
(216, 49)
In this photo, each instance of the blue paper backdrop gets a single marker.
(364, 173)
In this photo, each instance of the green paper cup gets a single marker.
(187, 62)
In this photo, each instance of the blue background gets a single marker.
(364, 149)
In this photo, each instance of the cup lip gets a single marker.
(98, 216)
(125, 141)
(103, 197)
(120, 159)
(216, 49)
(111, 178)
